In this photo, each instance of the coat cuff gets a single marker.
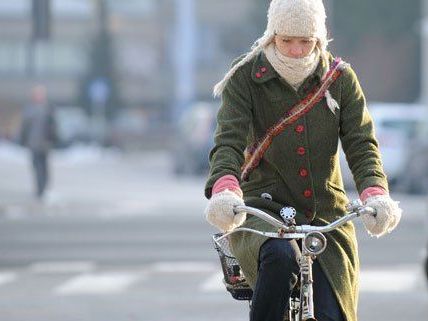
(213, 179)
(227, 182)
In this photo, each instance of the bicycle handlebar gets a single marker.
(355, 209)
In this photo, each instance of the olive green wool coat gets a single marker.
(301, 167)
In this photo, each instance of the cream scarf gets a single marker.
(296, 70)
(293, 70)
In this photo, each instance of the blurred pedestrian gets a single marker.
(38, 134)
(285, 105)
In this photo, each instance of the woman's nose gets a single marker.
(295, 51)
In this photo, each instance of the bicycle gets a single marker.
(301, 305)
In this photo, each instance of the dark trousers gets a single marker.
(277, 275)
(40, 169)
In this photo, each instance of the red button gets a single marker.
(263, 69)
(303, 172)
(301, 151)
(258, 75)
(300, 128)
(307, 193)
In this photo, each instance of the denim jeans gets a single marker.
(278, 274)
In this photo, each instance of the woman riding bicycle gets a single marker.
(285, 105)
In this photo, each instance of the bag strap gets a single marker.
(254, 153)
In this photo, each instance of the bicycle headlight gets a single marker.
(315, 243)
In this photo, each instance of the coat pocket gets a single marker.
(257, 189)
(338, 195)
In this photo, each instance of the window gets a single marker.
(13, 57)
(15, 8)
(133, 7)
(62, 58)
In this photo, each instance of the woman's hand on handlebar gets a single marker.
(220, 211)
(388, 215)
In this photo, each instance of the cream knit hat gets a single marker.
(294, 18)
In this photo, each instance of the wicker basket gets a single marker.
(233, 278)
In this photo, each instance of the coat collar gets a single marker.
(263, 71)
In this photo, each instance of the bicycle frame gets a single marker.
(313, 244)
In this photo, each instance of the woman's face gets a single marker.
(295, 47)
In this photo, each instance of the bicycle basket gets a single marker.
(233, 278)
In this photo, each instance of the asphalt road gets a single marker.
(164, 268)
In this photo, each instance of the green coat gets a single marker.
(301, 167)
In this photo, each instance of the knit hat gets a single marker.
(294, 18)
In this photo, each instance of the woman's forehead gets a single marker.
(295, 37)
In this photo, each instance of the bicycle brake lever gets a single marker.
(367, 210)
(354, 205)
(358, 207)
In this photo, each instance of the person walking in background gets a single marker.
(38, 134)
(285, 106)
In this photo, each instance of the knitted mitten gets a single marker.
(219, 211)
(388, 215)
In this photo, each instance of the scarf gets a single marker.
(293, 70)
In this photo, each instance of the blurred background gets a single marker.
(106, 120)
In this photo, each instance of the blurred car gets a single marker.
(72, 125)
(414, 175)
(396, 126)
(128, 128)
(426, 263)
(194, 138)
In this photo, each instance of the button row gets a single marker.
(303, 172)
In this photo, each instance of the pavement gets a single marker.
(88, 180)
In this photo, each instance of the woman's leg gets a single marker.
(325, 303)
(277, 275)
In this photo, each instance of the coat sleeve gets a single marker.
(358, 136)
(230, 138)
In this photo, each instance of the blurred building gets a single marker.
(147, 40)
(143, 34)
(59, 62)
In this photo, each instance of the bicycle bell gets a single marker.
(315, 243)
(288, 213)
